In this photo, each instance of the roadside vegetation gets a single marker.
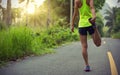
(113, 22)
(20, 41)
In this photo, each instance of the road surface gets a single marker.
(68, 61)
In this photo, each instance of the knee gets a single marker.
(84, 47)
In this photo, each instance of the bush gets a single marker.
(2, 26)
(116, 35)
(15, 43)
(53, 37)
(5, 45)
(20, 41)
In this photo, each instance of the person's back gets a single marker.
(85, 14)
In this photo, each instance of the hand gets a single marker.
(72, 28)
(92, 20)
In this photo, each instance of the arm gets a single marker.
(74, 14)
(92, 11)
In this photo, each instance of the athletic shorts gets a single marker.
(85, 30)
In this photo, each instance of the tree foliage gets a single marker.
(113, 20)
(59, 8)
(98, 4)
(51, 11)
(8, 19)
(6, 13)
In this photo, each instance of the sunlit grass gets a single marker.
(20, 41)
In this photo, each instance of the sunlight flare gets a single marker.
(31, 6)
(39, 2)
(30, 9)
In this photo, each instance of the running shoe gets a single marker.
(87, 68)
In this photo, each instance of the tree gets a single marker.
(8, 20)
(3, 18)
(71, 9)
(59, 8)
(6, 13)
(48, 15)
(98, 4)
(116, 27)
(113, 20)
(110, 19)
(20, 1)
(16, 13)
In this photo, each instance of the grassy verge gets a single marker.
(116, 35)
(18, 42)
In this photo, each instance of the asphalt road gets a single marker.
(68, 61)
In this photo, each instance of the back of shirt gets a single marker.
(85, 14)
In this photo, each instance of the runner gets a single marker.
(86, 11)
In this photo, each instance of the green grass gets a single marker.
(20, 41)
(116, 35)
(15, 42)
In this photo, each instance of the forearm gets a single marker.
(74, 14)
(92, 9)
(93, 12)
(73, 19)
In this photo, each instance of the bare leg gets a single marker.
(83, 39)
(96, 38)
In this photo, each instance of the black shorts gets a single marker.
(84, 30)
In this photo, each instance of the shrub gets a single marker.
(2, 26)
(116, 35)
(15, 42)
(20, 41)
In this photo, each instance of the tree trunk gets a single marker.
(0, 8)
(48, 15)
(35, 15)
(71, 10)
(27, 12)
(3, 15)
(8, 20)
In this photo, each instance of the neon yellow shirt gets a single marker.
(85, 14)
